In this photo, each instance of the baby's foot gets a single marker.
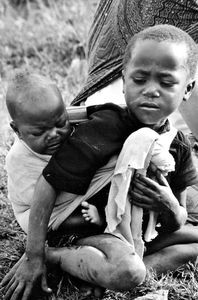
(90, 213)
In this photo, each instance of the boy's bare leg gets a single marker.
(90, 213)
(76, 223)
(171, 258)
(102, 260)
(187, 234)
(168, 252)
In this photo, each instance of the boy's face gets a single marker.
(44, 125)
(156, 80)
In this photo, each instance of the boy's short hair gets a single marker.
(162, 33)
(26, 86)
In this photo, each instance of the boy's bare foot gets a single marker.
(54, 256)
(90, 213)
(86, 289)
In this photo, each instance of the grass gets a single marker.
(47, 39)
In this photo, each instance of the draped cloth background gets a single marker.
(116, 21)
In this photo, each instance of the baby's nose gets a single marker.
(52, 133)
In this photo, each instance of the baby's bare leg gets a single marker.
(102, 260)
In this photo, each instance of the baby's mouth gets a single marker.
(54, 146)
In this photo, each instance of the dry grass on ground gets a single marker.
(45, 38)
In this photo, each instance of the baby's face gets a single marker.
(156, 80)
(44, 126)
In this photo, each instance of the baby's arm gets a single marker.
(32, 270)
(40, 212)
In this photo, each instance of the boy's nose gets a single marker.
(151, 91)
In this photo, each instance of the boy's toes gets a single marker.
(99, 292)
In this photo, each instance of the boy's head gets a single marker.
(159, 67)
(38, 112)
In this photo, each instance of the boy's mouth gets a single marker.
(149, 105)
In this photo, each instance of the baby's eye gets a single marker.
(38, 133)
(61, 124)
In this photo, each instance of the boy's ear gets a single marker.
(123, 80)
(14, 128)
(189, 90)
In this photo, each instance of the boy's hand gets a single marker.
(21, 279)
(152, 195)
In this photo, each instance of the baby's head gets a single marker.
(38, 112)
(159, 68)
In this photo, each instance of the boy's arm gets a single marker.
(158, 196)
(176, 216)
(31, 269)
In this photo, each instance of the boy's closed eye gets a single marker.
(168, 83)
(139, 80)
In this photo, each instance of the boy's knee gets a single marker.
(133, 272)
(128, 273)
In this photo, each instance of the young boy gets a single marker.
(159, 69)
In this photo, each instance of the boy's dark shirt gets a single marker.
(93, 143)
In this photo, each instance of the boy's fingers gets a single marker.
(27, 292)
(152, 167)
(10, 292)
(7, 278)
(18, 291)
(12, 272)
(142, 205)
(45, 286)
(161, 179)
(147, 182)
(9, 284)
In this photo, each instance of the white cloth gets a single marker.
(110, 93)
(24, 167)
(135, 155)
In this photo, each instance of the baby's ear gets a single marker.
(14, 128)
(189, 90)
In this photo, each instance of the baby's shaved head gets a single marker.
(27, 89)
